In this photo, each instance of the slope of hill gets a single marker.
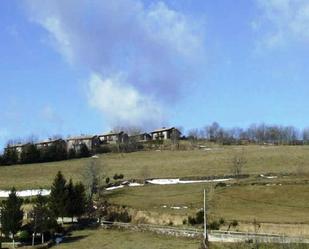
(164, 164)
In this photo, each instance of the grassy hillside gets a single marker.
(278, 204)
(260, 159)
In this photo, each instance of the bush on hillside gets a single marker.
(214, 225)
(220, 185)
(10, 156)
(24, 236)
(123, 216)
(71, 153)
(103, 149)
(116, 176)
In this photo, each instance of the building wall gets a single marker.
(113, 139)
(70, 145)
(75, 144)
(164, 135)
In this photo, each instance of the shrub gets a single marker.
(114, 148)
(220, 184)
(191, 220)
(116, 176)
(26, 200)
(24, 236)
(214, 225)
(72, 153)
(221, 221)
(200, 217)
(119, 216)
(234, 223)
(103, 149)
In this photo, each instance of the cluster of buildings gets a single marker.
(95, 141)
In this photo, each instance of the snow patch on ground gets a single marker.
(268, 177)
(178, 181)
(25, 193)
(135, 184)
(165, 182)
(130, 184)
(176, 207)
(271, 177)
(115, 187)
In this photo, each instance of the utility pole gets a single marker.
(205, 222)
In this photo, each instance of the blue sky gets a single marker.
(72, 67)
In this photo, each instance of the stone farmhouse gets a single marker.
(47, 143)
(94, 141)
(75, 143)
(140, 138)
(17, 147)
(114, 138)
(165, 133)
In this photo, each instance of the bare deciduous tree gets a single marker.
(239, 161)
(193, 136)
(92, 177)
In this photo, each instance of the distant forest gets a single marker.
(255, 133)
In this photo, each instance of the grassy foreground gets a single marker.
(116, 239)
(260, 246)
(164, 164)
(112, 239)
(274, 203)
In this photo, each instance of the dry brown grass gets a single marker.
(274, 204)
(156, 164)
(115, 239)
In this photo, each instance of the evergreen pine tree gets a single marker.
(43, 218)
(80, 199)
(76, 201)
(11, 215)
(58, 196)
(70, 202)
(10, 156)
(30, 154)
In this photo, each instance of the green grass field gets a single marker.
(112, 239)
(285, 202)
(260, 246)
(279, 204)
(164, 164)
(116, 239)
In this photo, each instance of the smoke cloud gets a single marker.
(140, 56)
